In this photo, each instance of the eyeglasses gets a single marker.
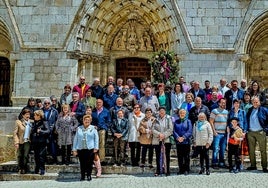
(136, 107)
(46, 103)
(82, 79)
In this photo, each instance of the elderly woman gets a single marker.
(188, 103)
(161, 133)
(182, 133)
(203, 137)
(21, 138)
(65, 127)
(146, 136)
(134, 120)
(86, 143)
(39, 135)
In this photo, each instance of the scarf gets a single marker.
(199, 125)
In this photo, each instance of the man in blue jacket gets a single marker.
(257, 118)
(101, 120)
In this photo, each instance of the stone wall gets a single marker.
(8, 115)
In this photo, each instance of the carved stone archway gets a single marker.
(256, 48)
(124, 29)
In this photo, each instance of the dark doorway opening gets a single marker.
(4, 82)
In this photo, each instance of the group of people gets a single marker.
(148, 120)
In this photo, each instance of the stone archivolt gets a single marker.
(131, 26)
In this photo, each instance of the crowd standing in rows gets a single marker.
(148, 120)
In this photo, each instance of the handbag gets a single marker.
(172, 140)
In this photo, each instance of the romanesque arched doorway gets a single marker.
(136, 69)
(256, 48)
(4, 81)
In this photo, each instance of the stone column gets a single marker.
(89, 70)
(96, 67)
(82, 68)
(111, 68)
(104, 67)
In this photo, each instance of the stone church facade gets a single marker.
(45, 44)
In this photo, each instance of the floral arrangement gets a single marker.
(165, 67)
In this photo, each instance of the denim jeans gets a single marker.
(219, 146)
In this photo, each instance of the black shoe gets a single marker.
(265, 170)
(168, 174)
(22, 171)
(236, 171)
(180, 173)
(252, 168)
(42, 172)
(207, 172)
(186, 173)
(202, 171)
(89, 178)
(151, 166)
(82, 179)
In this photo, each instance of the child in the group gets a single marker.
(235, 136)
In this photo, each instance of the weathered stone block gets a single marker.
(7, 150)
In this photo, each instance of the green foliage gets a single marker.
(165, 67)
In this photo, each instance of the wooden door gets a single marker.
(137, 69)
(4, 81)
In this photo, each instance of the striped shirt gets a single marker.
(220, 117)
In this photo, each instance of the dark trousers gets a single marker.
(204, 156)
(23, 155)
(158, 153)
(86, 158)
(66, 153)
(119, 150)
(183, 155)
(144, 149)
(135, 152)
(234, 150)
(52, 147)
(40, 154)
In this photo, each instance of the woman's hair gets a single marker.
(87, 116)
(39, 113)
(148, 109)
(202, 114)
(191, 95)
(65, 105)
(67, 87)
(25, 111)
(179, 85)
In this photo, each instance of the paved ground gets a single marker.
(215, 180)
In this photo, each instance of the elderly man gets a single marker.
(81, 88)
(198, 92)
(101, 119)
(257, 118)
(77, 107)
(128, 100)
(222, 87)
(51, 116)
(149, 101)
(97, 90)
(199, 107)
(243, 85)
(109, 98)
